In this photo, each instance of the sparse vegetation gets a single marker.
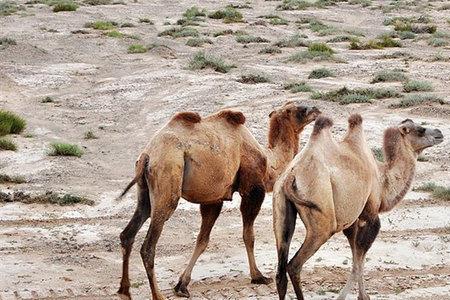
(5, 42)
(316, 51)
(383, 42)
(414, 100)
(437, 191)
(342, 38)
(7, 144)
(177, 32)
(320, 73)
(198, 42)
(47, 99)
(223, 32)
(320, 28)
(47, 198)
(270, 50)
(8, 8)
(146, 20)
(114, 34)
(65, 5)
(101, 25)
(253, 79)
(203, 61)
(247, 39)
(363, 95)
(417, 86)
(12, 179)
(389, 76)
(10, 123)
(63, 149)
(297, 40)
(275, 20)
(298, 87)
(304, 4)
(137, 48)
(97, 2)
(229, 15)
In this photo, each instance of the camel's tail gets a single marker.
(284, 218)
(291, 191)
(141, 168)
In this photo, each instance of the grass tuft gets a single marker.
(101, 25)
(10, 123)
(198, 42)
(437, 191)
(296, 40)
(320, 73)
(65, 5)
(137, 48)
(270, 50)
(8, 8)
(389, 76)
(417, 86)
(6, 42)
(298, 87)
(203, 61)
(89, 135)
(247, 39)
(12, 179)
(47, 198)
(177, 32)
(7, 144)
(253, 79)
(63, 149)
(229, 15)
(383, 42)
(97, 2)
(414, 100)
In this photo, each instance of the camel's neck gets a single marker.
(397, 172)
(283, 146)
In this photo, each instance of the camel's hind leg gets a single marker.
(319, 228)
(127, 236)
(360, 238)
(209, 213)
(250, 207)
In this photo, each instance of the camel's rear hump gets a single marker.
(233, 117)
(187, 117)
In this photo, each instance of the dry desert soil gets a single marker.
(94, 84)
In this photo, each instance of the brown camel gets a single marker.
(341, 187)
(205, 161)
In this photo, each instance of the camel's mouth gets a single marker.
(438, 136)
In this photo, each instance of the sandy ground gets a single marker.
(73, 252)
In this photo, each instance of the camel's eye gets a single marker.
(421, 131)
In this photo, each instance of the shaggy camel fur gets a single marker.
(205, 161)
(341, 187)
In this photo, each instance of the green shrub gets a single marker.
(414, 100)
(320, 73)
(193, 13)
(298, 87)
(320, 47)
(5, 42)
(12, 179)
(101, 25)
(389, 76)
(223, 32)
(270, 50)
(407, 35)
(202, 61)
(275, 20)
(7, 144)
(97, 2)
(417, 86)
(8, 8)
(304, 4)
(63, 149)
(114, 34)
(177, 32)
(253, 79)
(65, 5)
(137, 48)
(346, 96)
(11, 123)
(198, 42)
(247, 39)
(320, 28)
(229, 15)
(384, 42)
(296, 40)
(437, 191)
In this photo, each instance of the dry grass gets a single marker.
(437, 191)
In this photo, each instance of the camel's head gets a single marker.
(297, 115)
(418, 137)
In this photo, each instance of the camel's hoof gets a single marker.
(262, 280)
(124, 293)
(181, 291)
(363, 297)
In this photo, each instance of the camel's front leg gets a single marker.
(250, 207)
(361, 236)
(209, 213)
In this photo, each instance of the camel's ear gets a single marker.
(271, 114)
(404, 129)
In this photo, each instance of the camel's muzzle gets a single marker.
(438, 136)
